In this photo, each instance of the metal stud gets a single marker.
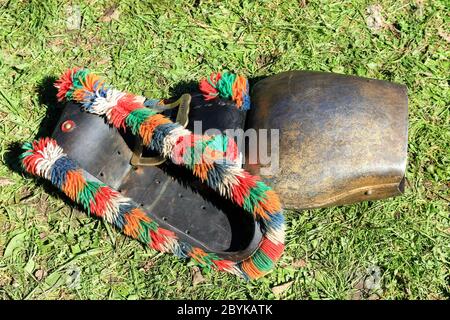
(67, 126)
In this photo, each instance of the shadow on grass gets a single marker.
(184, 87)
(47, 97)
(46, 93)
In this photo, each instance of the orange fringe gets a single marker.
(258, 210)
(272, 203)
(248, 266)
(147, 128)
(198, 254)
(239, 86)
(91, 80)
(201, 170)
(74, 183)
(78, 95)
(132, 222)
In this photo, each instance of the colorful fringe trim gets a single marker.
(207, 157)
(229, 86)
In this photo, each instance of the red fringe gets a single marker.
(101, 200)
(124, 106)
(272, 250)
(232, 152)
(181, 146)
(208, 90)
(223, 264)
(30, 161)
(65, 83)
(242, 189)
(159, 237)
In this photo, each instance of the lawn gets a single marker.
(397, 248)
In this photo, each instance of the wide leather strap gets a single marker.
(212, 160)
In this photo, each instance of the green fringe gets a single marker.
(194, 154)
(136, 117)
(218, 142)
(225, 85)
(256, 194)
(207, 261)
(262, 261)
(77, 79)
(26, 146)
(87, 194)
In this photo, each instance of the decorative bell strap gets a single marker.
(210, 158)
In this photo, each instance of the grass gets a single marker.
(49, 250)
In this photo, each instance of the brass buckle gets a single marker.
(183, 104)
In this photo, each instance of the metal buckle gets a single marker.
(183, 104)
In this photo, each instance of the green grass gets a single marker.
(154, 47)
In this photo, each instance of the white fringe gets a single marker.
(171, 138)
(50, 154)
(139, 99)
(112, 210)
(104, 105)
(276, 235)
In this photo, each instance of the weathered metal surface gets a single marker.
(343, 139)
